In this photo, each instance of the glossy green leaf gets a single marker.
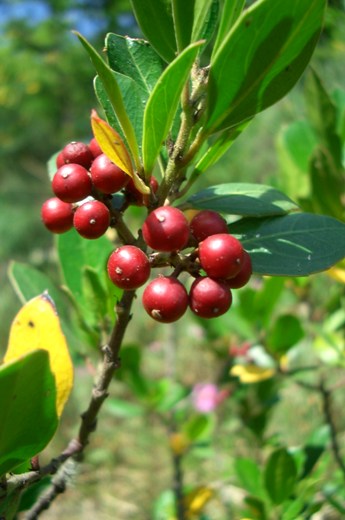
(134, 99)
(256, 200)
(261, 59)
(285, 332)
(280, 475)
(114, 94)
(292, 245)
(231, 11)
(134, 58)
(155, 20)
(28, 282)
(190, 20)
(205, 19)
(28, 408)
(163, 103)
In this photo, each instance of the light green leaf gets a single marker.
(250, 476)
(115, 97)
(261, 59)
(163, 103)
(230, 13)
(280, 475)
(292, 245)
(28, 408)
(155, 20)
(256, 200)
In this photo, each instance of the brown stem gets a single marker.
(178, 486)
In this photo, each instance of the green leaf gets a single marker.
(230, 13)
(198, 427)
(123, 409)
(134, 58)
(114, 94)
(292, 245)
(284, 334)
(249, 476)
(163, 103)
(205, 19)
(155, 20)
(192, 20)
(261, 59)
(28, 282)
(28, 408)
(255, 200)
(280, 475)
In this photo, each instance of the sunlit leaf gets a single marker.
(37, 326)
(249, 374)
(196, 500)
(28, 408)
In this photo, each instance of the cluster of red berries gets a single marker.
(210, 249)
(82, 184)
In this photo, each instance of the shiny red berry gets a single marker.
(241, 278)
(71, 183)
(165, 299)
(91, 219)
(209, 298)
(221, 255)
(166, 229)
(206, 223)
(128, 267)
(106, 176)
(57, 215)
(95, 148)
(77, 153)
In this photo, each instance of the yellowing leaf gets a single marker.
(196, 500)
(113, 147)
(252, 373)
(37, 326)
(337, 273)
(179, 443)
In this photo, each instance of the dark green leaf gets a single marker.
(261, 59)
(230, 13)
(256, 200)
(314, 448)
(134, 58)
(280, 475)
(249, 476)
(284, 334)
(156, 22)
(163, 103)
(28, 408)
(114, 94)
(292, 245)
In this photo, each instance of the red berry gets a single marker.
(60, 161)
(241, 278)
(95, 148)
(57, 215)
(137, 198)
(128, 267)
(207, 223)
(91, 219)
(221, 255)
(165, 299)
(166, 229)
(71, 183)
(209, 298)
(77, 153)
(106, 176)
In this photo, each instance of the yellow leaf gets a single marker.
(337, 273)
(113, 147)
(37, 326)
(179, 443)
(252, 373)
(196, 500)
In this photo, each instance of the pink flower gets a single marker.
(206, 397)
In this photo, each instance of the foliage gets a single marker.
(174, 105)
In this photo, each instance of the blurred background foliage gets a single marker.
(46, 95)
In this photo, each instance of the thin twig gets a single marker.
(178, 486)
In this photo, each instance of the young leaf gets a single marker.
(134, 58)
(155, 20)
(28, 408)
(230, 12)
(280, 475)
(115, 97)
(255, 200)
(292, 245)
(163, 102)
(261, 59)
(37, 326)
